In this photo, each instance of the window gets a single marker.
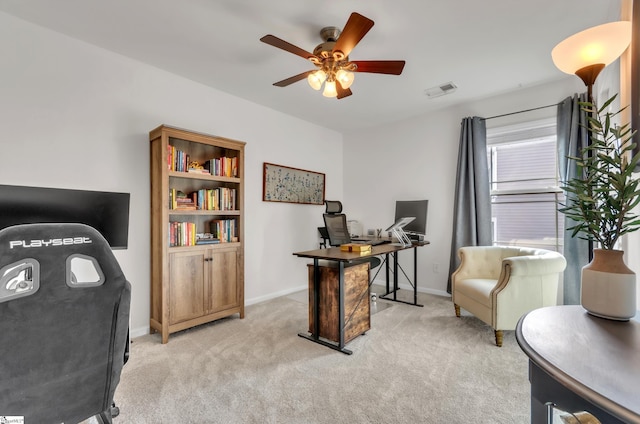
(525, 191)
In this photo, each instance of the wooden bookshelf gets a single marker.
(192, 284)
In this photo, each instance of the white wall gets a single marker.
(417, 158)
(76, 116)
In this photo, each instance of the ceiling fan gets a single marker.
(331, 58)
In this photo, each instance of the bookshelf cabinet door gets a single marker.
(223, 280)
(186, 285)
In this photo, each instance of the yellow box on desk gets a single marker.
(356, 248)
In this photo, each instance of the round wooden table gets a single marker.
(580, 362)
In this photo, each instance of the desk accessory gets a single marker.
(398, 232)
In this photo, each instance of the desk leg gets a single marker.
(415, 276)
(395, 279)
(341, 304)
(395, 274)
(316, 299)
(386, 262)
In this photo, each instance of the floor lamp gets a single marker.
(586, 54)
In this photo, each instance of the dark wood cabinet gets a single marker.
(356, 314)
(579, 362)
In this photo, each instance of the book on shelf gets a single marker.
(213, 199)
(216, 199)
(207, 241)
(180, 200)
(177, 159)
(201, 171)
(206, 238)
(226, 230)
(223, 166)
(180, 161)
(182, 234)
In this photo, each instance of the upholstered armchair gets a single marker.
(499, 284)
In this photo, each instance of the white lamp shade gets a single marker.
(315, 79)
(345, 78)
(330, 89)
(601, 44)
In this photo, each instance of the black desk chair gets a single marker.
(332, 207)
(337, 230)
(64, 331)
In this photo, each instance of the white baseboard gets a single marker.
(138, 332)
(143, 331)
(274, 295)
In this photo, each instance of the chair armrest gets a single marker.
(525, 283)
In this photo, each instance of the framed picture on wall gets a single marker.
(292, 185)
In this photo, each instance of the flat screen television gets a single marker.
(107, 212)
(416, 209)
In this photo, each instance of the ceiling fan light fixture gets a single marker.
(330, 89)
(332, 58)
(345, 78)
(315, 79)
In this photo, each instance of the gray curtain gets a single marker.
(572, 137)
(472, 207)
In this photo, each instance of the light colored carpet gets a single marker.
(415, 365)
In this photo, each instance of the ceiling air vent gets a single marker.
(441, 90)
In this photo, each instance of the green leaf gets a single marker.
(603, 193)
(607, 103)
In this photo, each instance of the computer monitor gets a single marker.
(417, 209)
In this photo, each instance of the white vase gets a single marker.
(608, 286)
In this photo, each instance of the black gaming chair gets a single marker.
(337, 230)
(64, 322)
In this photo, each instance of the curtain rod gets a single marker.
(520, 111)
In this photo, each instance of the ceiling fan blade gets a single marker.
(293, 79)
(355, 28)
(342, 92)
(393, 67)
(286, 46)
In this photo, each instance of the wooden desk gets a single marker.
(341, 258)
(582, 363)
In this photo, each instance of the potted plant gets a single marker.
(601, 200)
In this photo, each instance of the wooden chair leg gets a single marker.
(498, 338)
(457, 310)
